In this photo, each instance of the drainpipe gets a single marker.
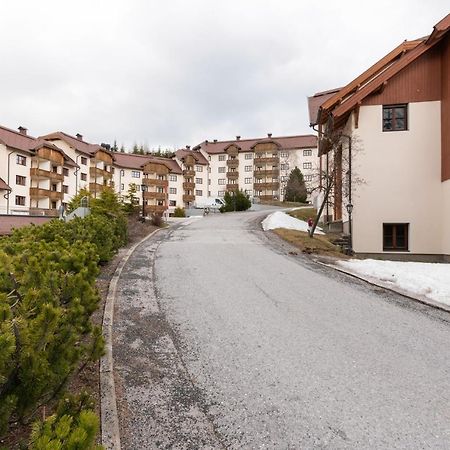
(77, 169)
(349, 206)
(8, 183)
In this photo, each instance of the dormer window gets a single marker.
(395, 118)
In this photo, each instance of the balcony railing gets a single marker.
(155, 182)
(233, 187)
(188, 185)
(189, 173)
(266, 185)
(267, 173)
(188, 198)
(44, 212)
(233, 163)
(41, 173)
(233, 175)
(155, 209)
(36, 193)
(97, 172)
(266, 160)
(155, 195)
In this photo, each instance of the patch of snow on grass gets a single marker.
(430, 280)
(282, 220)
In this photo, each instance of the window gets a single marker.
(198, 193)
(122, 172)
(248, 168)
(248, 155)
(55, 169)
(83, 177)
(20, 200)
(135, 174)
(65, 189)
(285, 166)
(222, 181)
(66, 172)
(284, 154)
(199, 180)
(209, 182)
(221, 193)
(248, 181)
(122, 187)
(222, 169)
(282, 191)
(160, 190)
(21, 160)
(221, 157)
(307, 152)
(307, 165)
(249, 192)
(172, 190)
(308, 177)
(83, 160)
(284, 178)
(172, 203)
(199, 168)
(21, 180)
(138, 187)
(54, 187)
(113, 170)
(53, 205)
(395, 236)
(395, 118)
(173, 178)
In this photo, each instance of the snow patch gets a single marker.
(430, 280)
(282, 220)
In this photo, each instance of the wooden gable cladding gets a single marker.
(420, 81)
(50, 154)
(263, 147)
(232, 150)
(159, 169)
(101, 155)
(189, 160)
(445, 109)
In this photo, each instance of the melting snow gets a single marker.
(282, 220)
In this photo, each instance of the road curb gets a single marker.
(419, 299)
(108, 403)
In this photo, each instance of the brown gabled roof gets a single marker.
(130, 161)
(246, 145)
(350, 96)
(16, 140)
(171, 164)
(315, 101)
(78, 144)
(4, 186)
(199, 158)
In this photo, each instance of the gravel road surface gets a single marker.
(225, 340)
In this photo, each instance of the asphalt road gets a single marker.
(224, 340)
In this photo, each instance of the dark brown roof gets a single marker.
(16, 140)
(74, 142)
(131, 161)
(199, 158)
(246, 145)
(171, 164)
(316, 101)
(4, 186)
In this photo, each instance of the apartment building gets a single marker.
(260, 166)
(393, 123)
(34, 175)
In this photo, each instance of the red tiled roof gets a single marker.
(315, 101)
(77, 144)
(4, 186)
(246, 145)
(16, 140)
(199, 158)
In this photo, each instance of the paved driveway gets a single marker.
(224, 340)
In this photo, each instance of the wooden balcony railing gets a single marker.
(188, 185)
(188, 198)
(155, 182)
(232, 187)
(189, 173)
(36, 193)
(233, 163)
(266, 185)
(233, 175)
(155, 209)
(36, 173)
(155, 195)
(266, 160)
(267, 173)
(97, 172)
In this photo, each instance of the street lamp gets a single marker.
(143, 189)
(349, 208)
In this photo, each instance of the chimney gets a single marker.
(238, 138)
(269, 135)
(215, 140)
(79, 136)
(188, 147)
(206, 142)
(23, 130)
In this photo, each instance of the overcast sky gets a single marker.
(171, 73)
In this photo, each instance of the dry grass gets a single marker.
(318, 245)
(304, 214)
(283, 204)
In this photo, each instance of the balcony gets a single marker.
(232, 187)
(189, 173)
(232, 163)
(96, 172)
(96, 187)
(267, 173)
(155, 195)
(233, 175)
(155, 209)
(274, 160)
(44, 212)
(271, 186)
(37, 193)
(36, 173)
(188, 198)
(155, 182)
(188, 185)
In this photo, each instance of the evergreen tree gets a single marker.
(236, 201)
(295, 187)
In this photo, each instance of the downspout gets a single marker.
(8, 183)
(77, 169)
